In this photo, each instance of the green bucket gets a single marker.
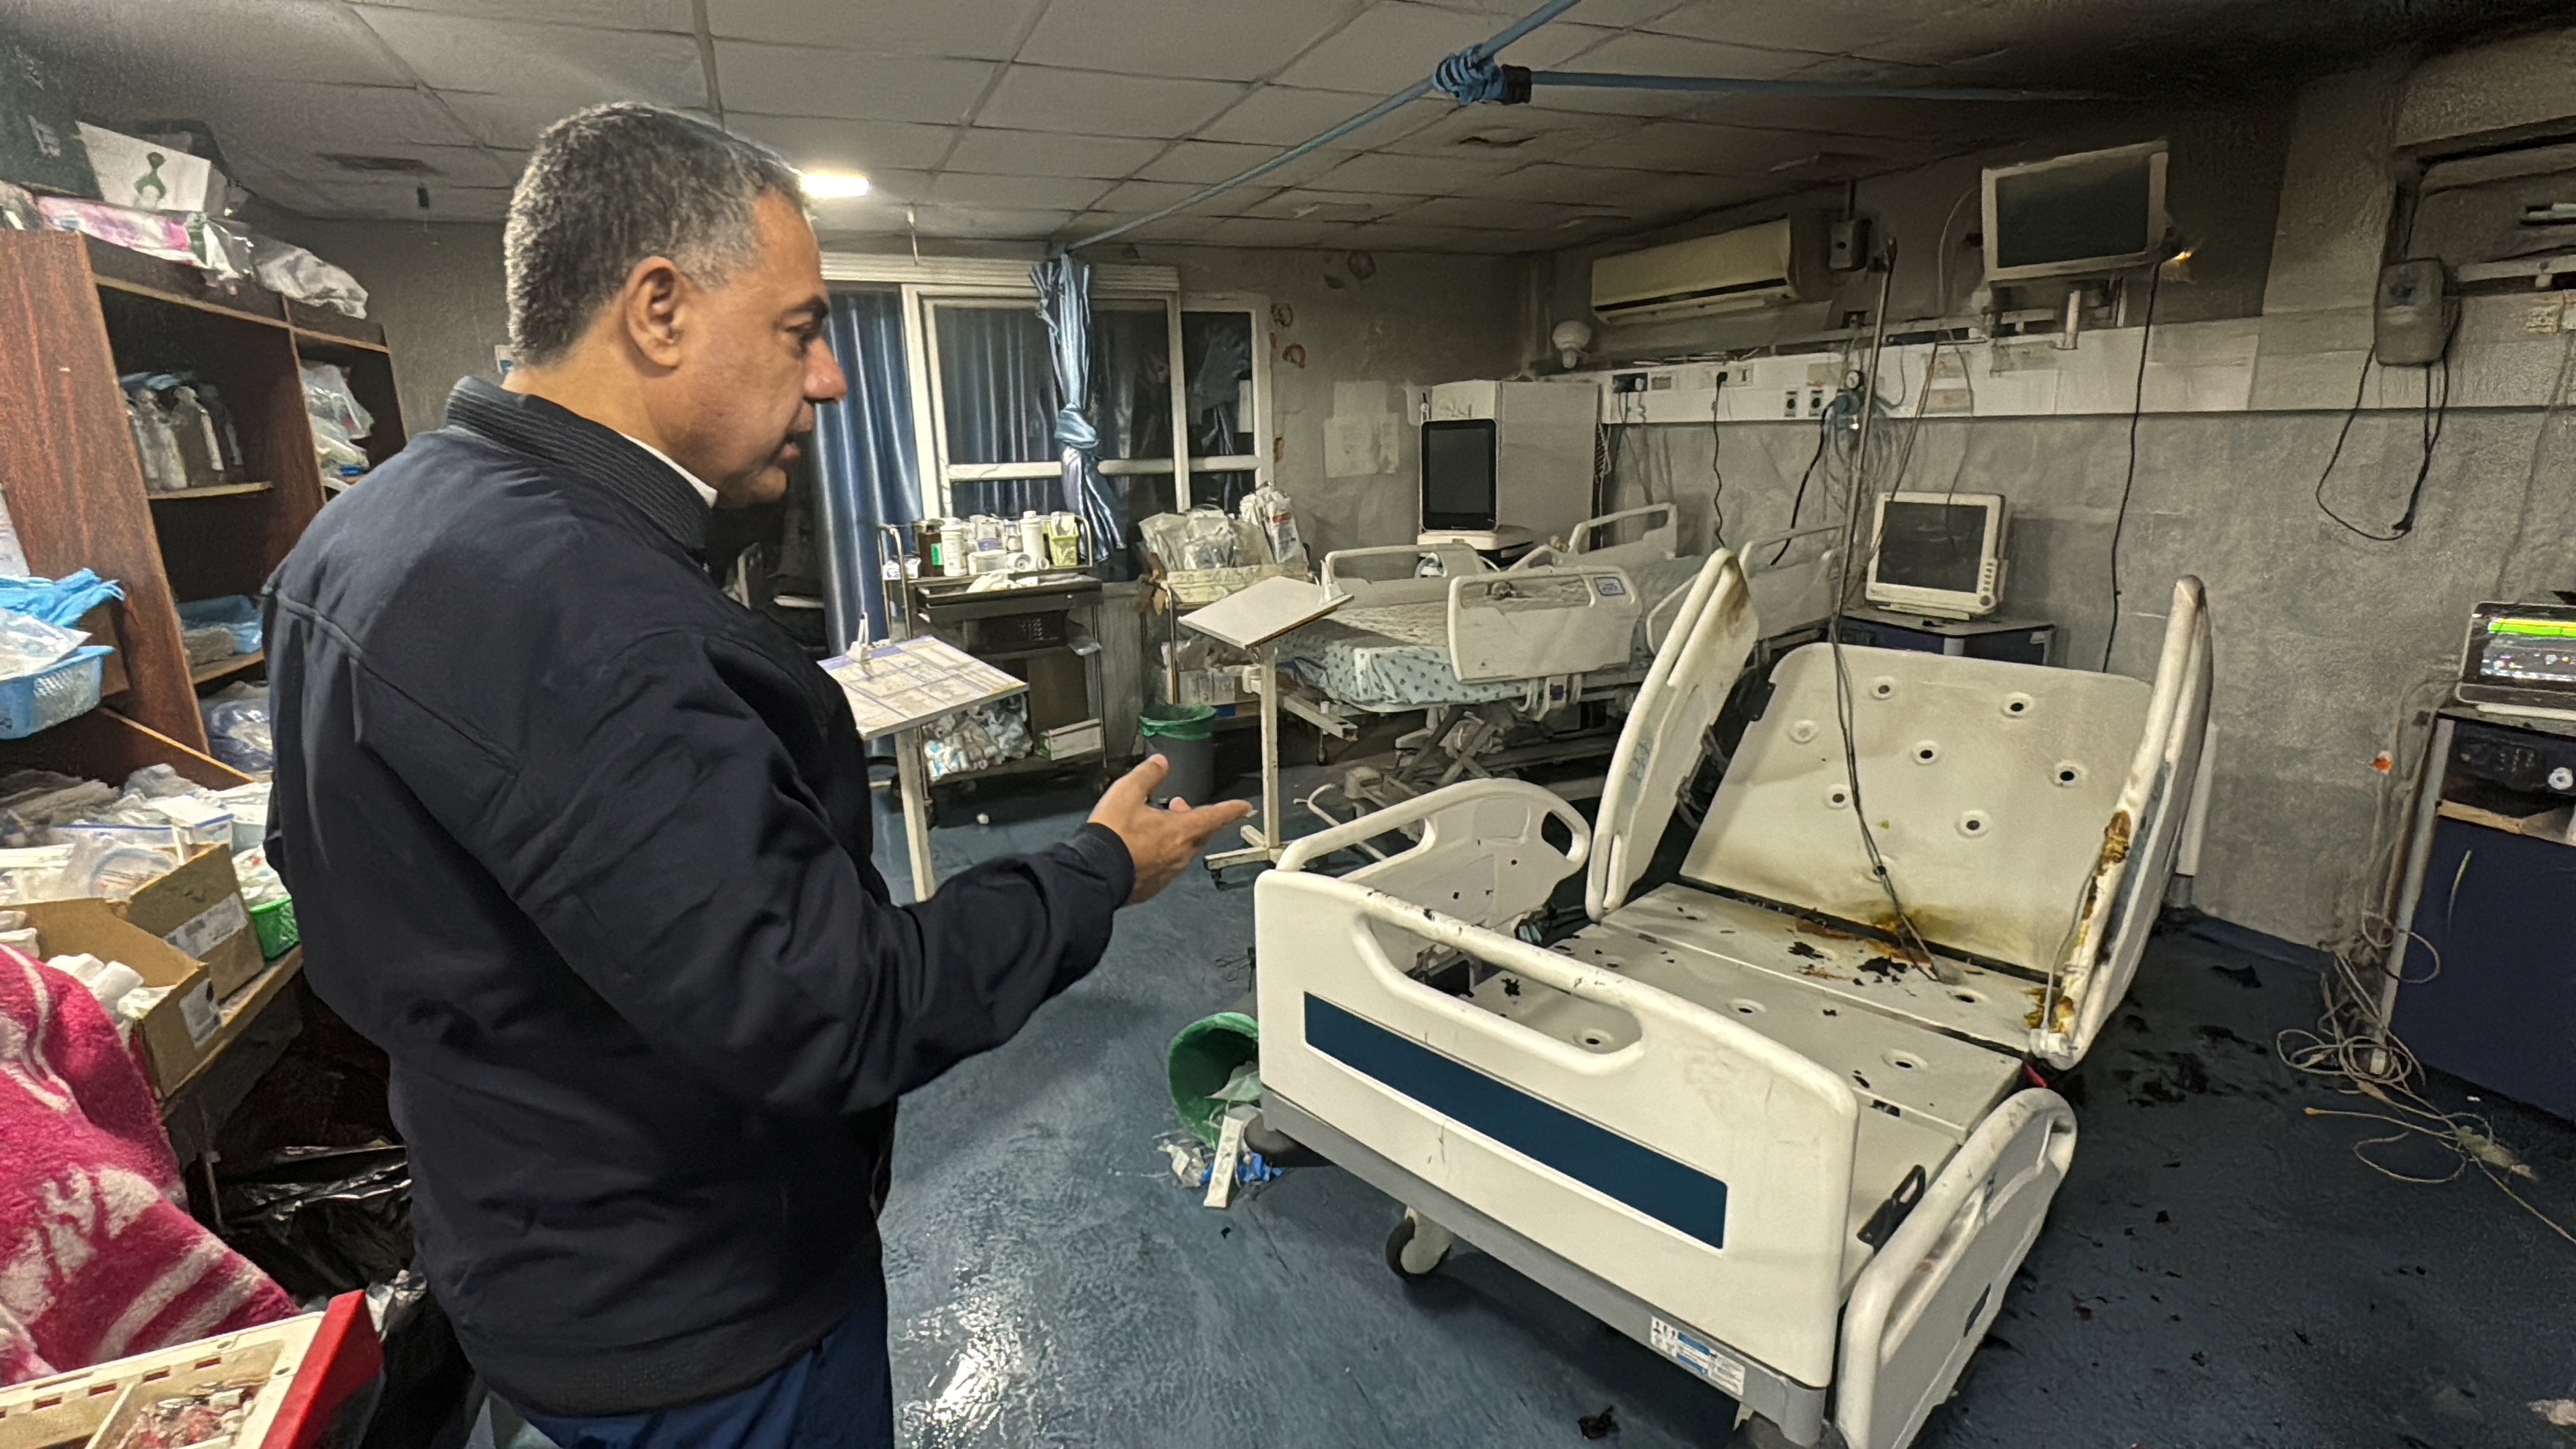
(1202, 1059)
(275, 922)
(1179, 721)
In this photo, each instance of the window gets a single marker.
(1226, 389)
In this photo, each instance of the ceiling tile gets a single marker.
(401, 199)
(1397, 42)
(800, 80)
(1135, 197)
(1281, 116)
(1212, 39)
(1573, 185)
(1855, 27)
(1033, 98)
(971, 29)
(997, 152)
(1002, 222)
(1401, 236)
(284, 116)
(449, 165)
(1611, 14)
(1944, 121)
(1169, 229)
(1417, 175)
(1023, 193)
(557, 62)
(1487, 211)
(1239, 231)
(1698, 148)
(1517, 133)
(1642, 54)
(672, 15)
(1302, 204)
(1205, 161)
(513, 121)
(821, 143)
(124, 50)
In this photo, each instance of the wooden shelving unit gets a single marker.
(78, 313)
(227, 668)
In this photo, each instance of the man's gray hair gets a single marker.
(612, 185)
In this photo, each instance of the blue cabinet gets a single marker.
(2499, 1009)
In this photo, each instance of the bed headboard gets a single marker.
(1988, 787)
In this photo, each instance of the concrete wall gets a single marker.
(436, 287)
(2318, 631)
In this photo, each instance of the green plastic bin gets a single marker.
(1202, 1059)
(275, 922)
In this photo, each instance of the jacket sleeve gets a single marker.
(648, 819)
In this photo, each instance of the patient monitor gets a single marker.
(1939, 554)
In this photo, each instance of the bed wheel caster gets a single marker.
(1417, 1246)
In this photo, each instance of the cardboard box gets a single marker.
(1072, 741)
(179, 1031)
(294, 1375)
(198, 909)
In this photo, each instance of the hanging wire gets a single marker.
(2351, 1042)
(2129, 478)
(1463, 70)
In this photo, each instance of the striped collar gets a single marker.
(649, 483)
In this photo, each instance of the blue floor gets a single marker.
(2219, 1271)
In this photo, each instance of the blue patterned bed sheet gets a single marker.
(1397, 657)
(1386, 659)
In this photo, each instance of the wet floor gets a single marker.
(2219, 1270)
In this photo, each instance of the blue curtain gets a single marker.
(864, 458)
(1064, 300)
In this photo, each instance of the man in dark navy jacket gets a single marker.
(584, 846)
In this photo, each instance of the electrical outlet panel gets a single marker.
(1815, 402)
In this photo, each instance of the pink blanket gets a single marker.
(98, 1256)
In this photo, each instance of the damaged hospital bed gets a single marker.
(1732, 1117)
(1501, 663)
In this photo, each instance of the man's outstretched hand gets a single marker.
(1160, 842)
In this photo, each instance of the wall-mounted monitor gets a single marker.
(2089, 213)
(1940, 554)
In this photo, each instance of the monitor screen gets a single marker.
(1458, 473)
(2091, 207)
(2524, 648)
(1931, 545)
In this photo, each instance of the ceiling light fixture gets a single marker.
(833, 185)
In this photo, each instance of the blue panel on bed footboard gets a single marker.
(1679, 1196)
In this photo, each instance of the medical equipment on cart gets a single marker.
(1730, 1117)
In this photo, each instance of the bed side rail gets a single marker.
(1482, 853)
(1922, 1305)
(1672, 1151)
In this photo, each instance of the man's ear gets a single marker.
(652, 305)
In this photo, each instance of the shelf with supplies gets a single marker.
(223, 367)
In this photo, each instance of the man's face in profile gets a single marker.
(754, 361)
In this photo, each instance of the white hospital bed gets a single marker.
(1723, 1117)
(1488, 655)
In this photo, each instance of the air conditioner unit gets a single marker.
(1753, 266)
